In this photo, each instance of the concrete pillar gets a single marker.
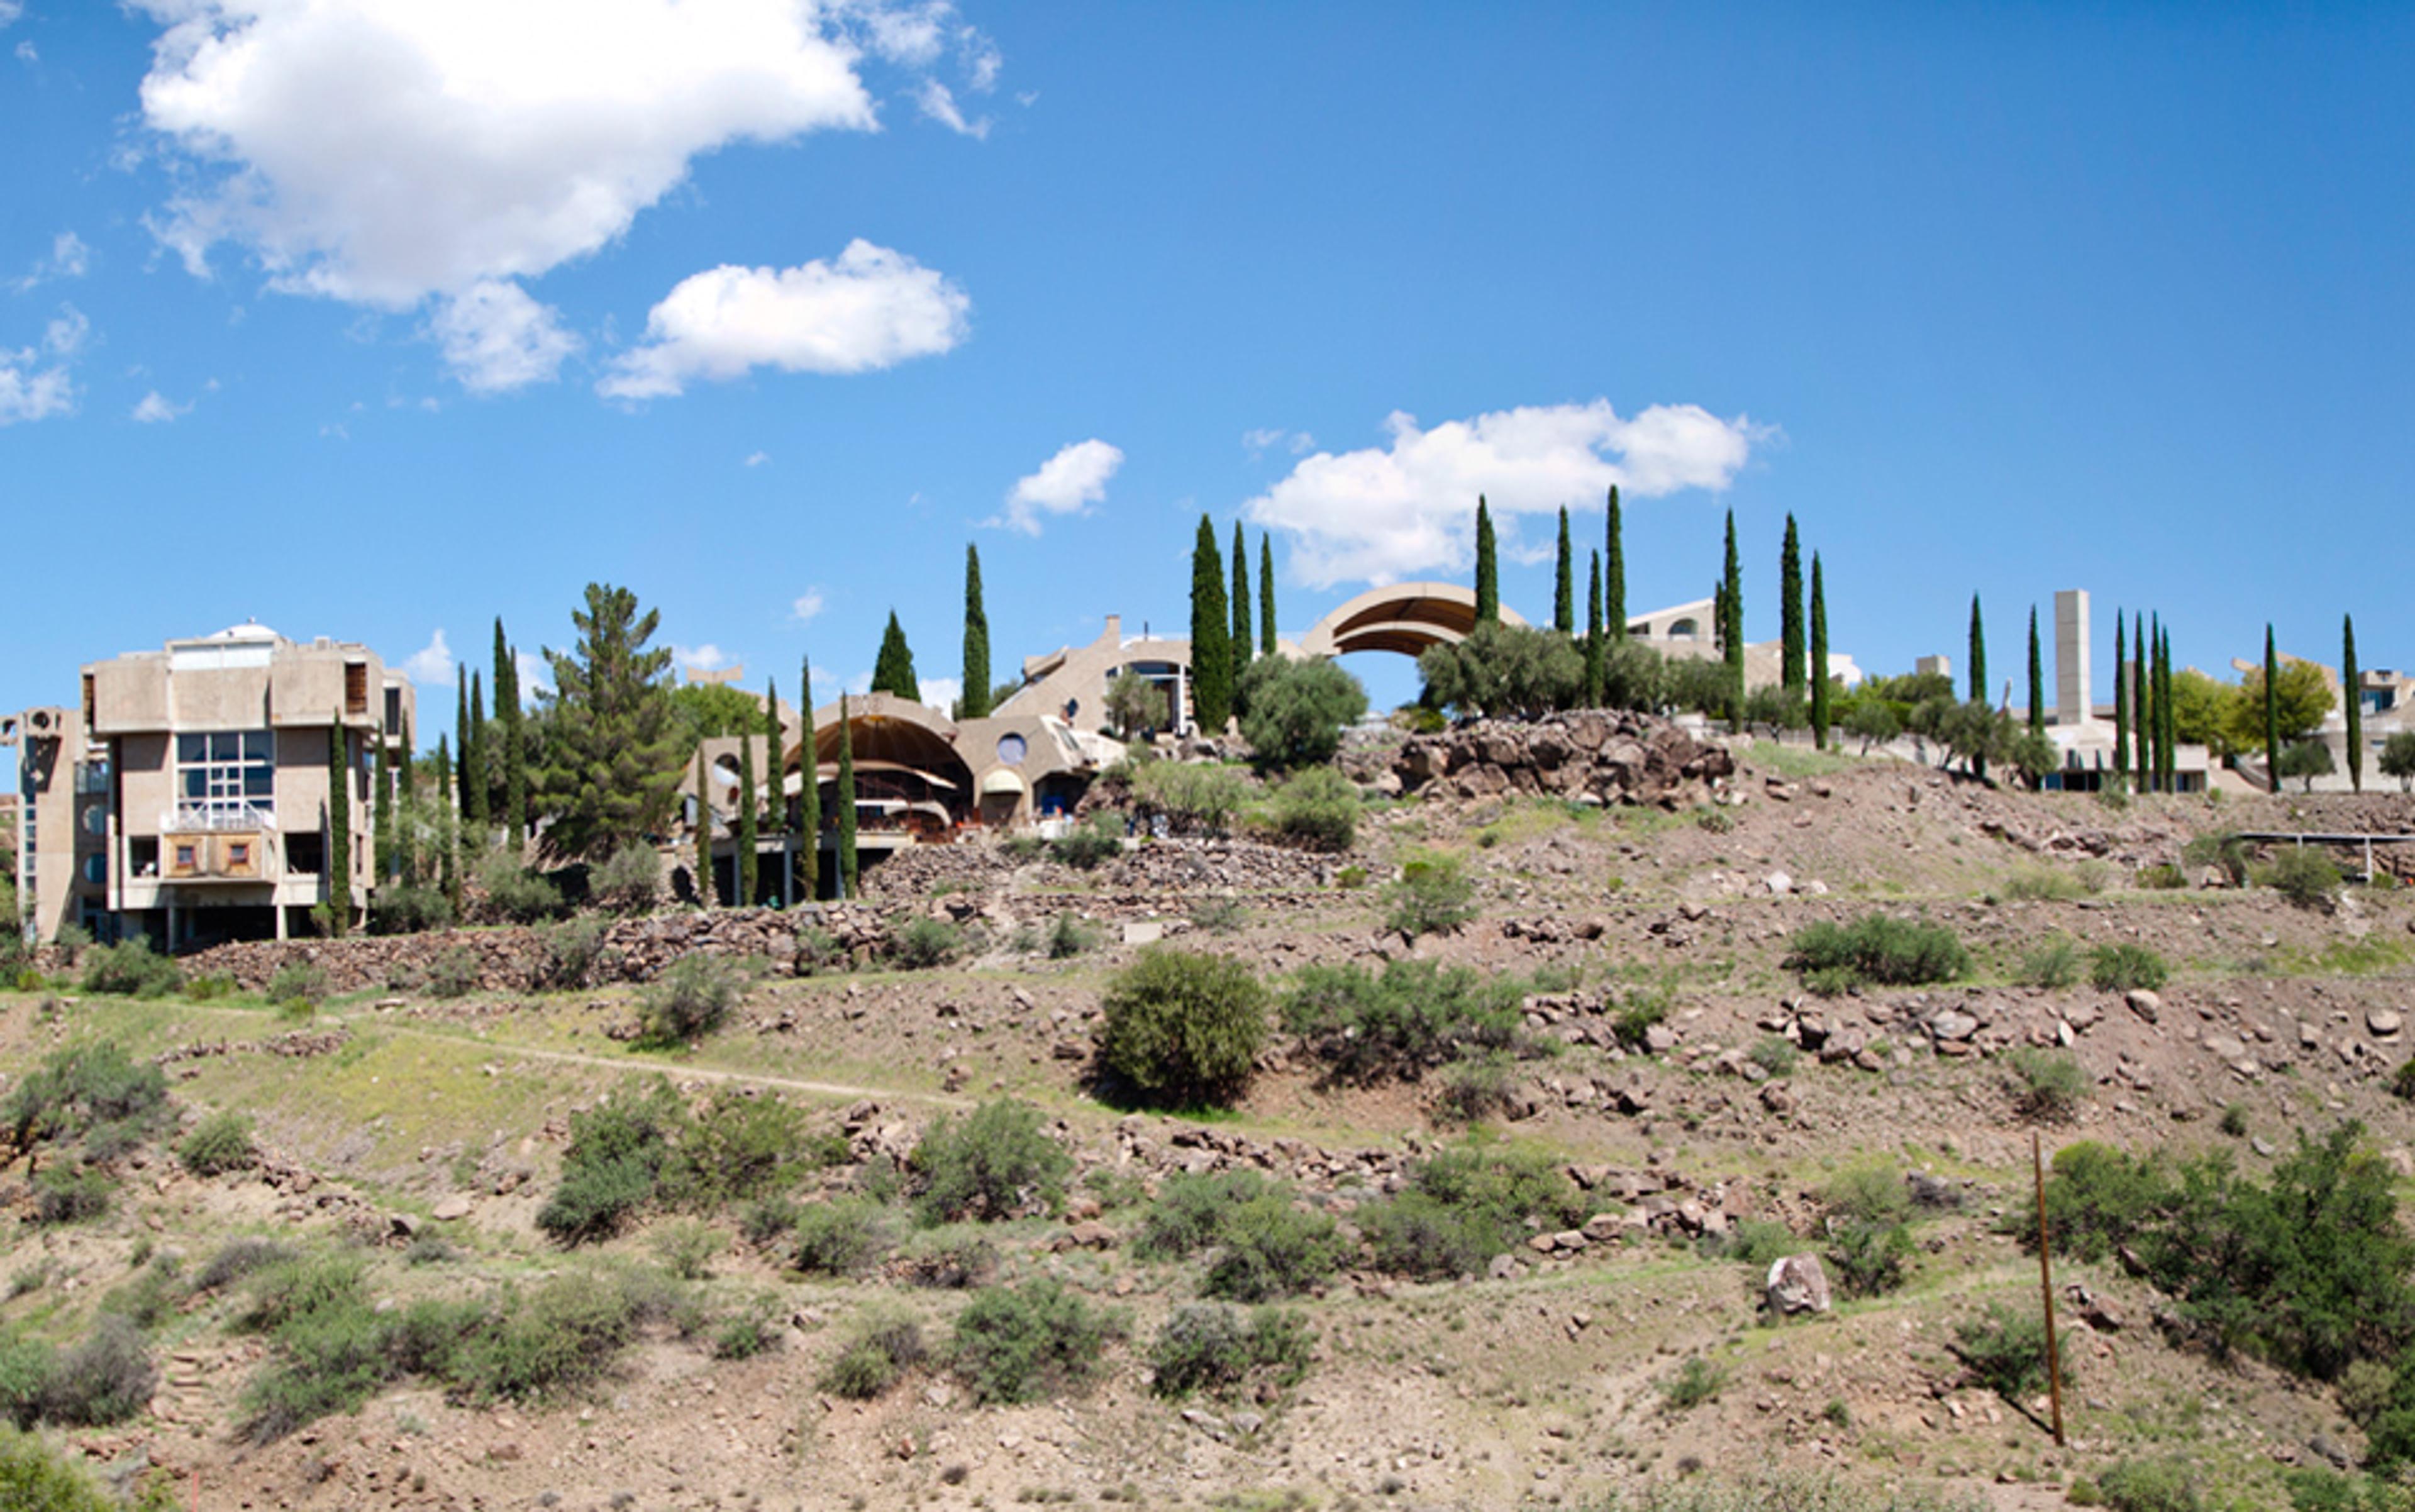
(2073, 696)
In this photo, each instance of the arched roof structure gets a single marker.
(891, 733)
(1402, 617)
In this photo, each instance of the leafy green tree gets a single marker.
(1614, 576)
(1242, 640)
(2355, 709)
(2038, 678)
(1978, 655)
(2307, 760)
(1789, 611)
(613, 761)
(2201, 709)
(1595, 666)
(1564, 584)
(339, 826)
(974, 702)
(511, 747)
(1266, 594)
(2299, 700)
(1507, 671)
(1211, 634)
(1487, 567)
(2120, 699)
(1823, 686)
(1134, 703)
(701, 711)
(1293, 713)
(809, 783)
(474, 766)
(2031, 753)
(1873, 722)
(2398, 759)
(1732, 624)
(893, 670)
(844, 798)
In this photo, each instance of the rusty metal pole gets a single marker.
(2045, 1289)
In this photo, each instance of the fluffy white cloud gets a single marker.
(1298, 443)
(940, 693)
(1066, 483)
(939, 102)
(1384, 514)
(496, 338)
(158, 409)
(705, 658)
(536, 673)
(869, 308)
(29, 390)
(69, 259)
(808, 605)
(10, 11)
(431, 666)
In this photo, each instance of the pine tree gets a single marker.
(1819, 668)
(1596, 669)
(2355, 711)
(1266, 594)
(476, 772)
(1487, 567)
(448, 859)
(381, 815)
(1564, 582)
(893, 670)
(1978, 654)
(2271, 711)
(2038, 678)
(511, 756)
(975, 704)
(339, 826)
(1614, 576)
(2120, 699)
(1732, 626)
(1211, 634)
(809, 783)
(844, 798)
(745, 868)
(613, 762)
(1243, 641)
(1789, 611)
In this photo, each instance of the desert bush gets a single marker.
(1466, 1205)
(1415, 1016)
(297, 981)
(2005, 1351)
(1293, 713)
(1084, 846)
(2048, 1086)
(926, 944)
(1219, 1348)
(689, 1000)
(1756, 1242)
(1069, 936)
(875, 1359)
(1017, 1343)
(2150, 1485)
(1434, 896)
(611, 1170)
(1870, 1193)
(1777, 1054)
(1870, 1259)
(630, 882)
(71, 1194)
(994, 1164)
(1476, 1089)
(1195, 798)
(2163, 876)
(737, 1149)
(2118, 968)
(2228, 852)
(1700, 1379)
(33, 1479)
(25, 1367)
(1218, 916)
(130, 970)
(1318, 808)
(105, 1379)
(1191, 1210)
(2303, 875)
(409, 909)
(218, 1143)
(457, 973)
(94, 1092)
(945, 1260)
(2402, 1081)
(2053, 964)
(572, 952)
(237, 1258)
(686, 1248)
(558, 1335)
(1267, 1248)
(844, 1236)
(515, 895)
(1184, 1028)
(2046, 885)
(1876, 949)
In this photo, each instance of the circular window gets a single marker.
(95, 821)
(96, 869)
(1010, 750)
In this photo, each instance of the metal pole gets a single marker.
(2045, 1289)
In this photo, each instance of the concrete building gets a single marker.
(188, 796)
(2083, 730)
(1691, 632)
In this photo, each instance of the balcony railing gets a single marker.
(199, 819)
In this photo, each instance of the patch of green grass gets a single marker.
(1796, 761)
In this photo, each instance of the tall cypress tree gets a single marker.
(893, 670)
(2355, 711)
(511, 757)
(1243, 641)
(476, 770)
(708, 876)
(448, 855)
(809, 782)
(844, 796)
(406, 842)
(974, 704)
(745, 869)
(381, 814)
(2167, 715)
(1789, 611)
(1597, 667)
(1614, 576)
(2271, 711)
(1564, 582)
(1211, 632)
(2038, 678)
(1819, 668)
(1266, 594)
(1487, 567)
(339, 826)
(2142, 703)
(1978, 654)
(2121, 700)
(464, 738)
(1732, 625)
(2162, 772)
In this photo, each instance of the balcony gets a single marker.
(218, 818)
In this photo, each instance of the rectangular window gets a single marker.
(142, 857)
(91, 705)
(238, 854)
(226, 780)
(394, 711)
(356, 687)
(189, 858)
(306, 851)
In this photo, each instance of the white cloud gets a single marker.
(870, 307)
(10, 11)
(65, 335)
(1298, 443)
(26, 54)
(939, 102)
(940, 692)
(808, 605)
(158, 409)
(29, 390)
(537, 674)
(705, 658)
(1066, 483)
(1383, 513)
(431, 666)
(69, 257)
(496, 338)
(757, 458)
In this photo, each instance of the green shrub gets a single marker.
(1870, 1259)
(686, 1248)
(926, 944)
(1184, 1028)
(739, 1148)
(1698, 1381)
(1415, 1016)
(2043, 884)
(1268, 1249)
(1195, 798)
(1466, 1205)
(2048, 1085)
(1318, 808)
(71, 1194)
(409, 909)
(995, 1164)
(2227, 851)
(2005, 1351)
(1876, 949)
(1191, 1209)
(2324, 1490)
(2118, 968)
(1434, 896)
(689, 1000)
(2161, 877)
(457, 973)
(1476, 1089)
(1868, 1193)
(2303, 875)
(630, 882)
(517, 896)
(1754, 1241)
(1068, 937)
(94, 1092)
(1087, 846)
(130, 970)
(1777, 1056)
(1293, 712)
(615, 1159)
(875, 1359)
(2150, 1485)
(297, 981)
(2234, 1120)
(572, 952)
(844, 1236)
(237, 1258)
(25, 1367)
(1218, 1348)
(33, 1479)
(218, 1143)
(105, 1379)
(557, 1338)
(1350, 879)
(2402, 1081)
(1218, 916)
(2053, 964)
(948, 1261)
(1018, 1343)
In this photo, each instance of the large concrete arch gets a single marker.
(1401, 617)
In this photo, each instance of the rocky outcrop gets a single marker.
(1591, 756)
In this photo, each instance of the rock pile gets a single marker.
(1591, 756)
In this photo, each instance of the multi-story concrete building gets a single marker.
(188, 798)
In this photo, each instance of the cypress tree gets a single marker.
(2038, 678)
(381, 814)
(339, 826)
(1266, 594)
(1819, 668)
(1978, 654)
(464, 738)
(1789, 611)
(407, 807)
(745, 870)
(1614, 576)
(1243, 641)
(1564, 583)
(975, 702)
(844, 798)
(510, 781)
(1211, 630)
(1733, 627)
(2163, 711)
(2271, 711)
(809, 782)
(1488, 568)
(893, 670)
(2121, 700)
(474, 774)
(448, 857)
(2355, 711)
(2143, 698)
(1597, 665)
(707, 878)
(2167, 715)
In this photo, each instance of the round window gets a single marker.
(1010, 750)
(95, 821)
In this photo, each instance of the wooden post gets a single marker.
(2046, 1288)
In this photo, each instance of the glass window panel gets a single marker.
(258, 783)
(192, 748)
(196, 780)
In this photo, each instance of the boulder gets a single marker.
(1798, 1284)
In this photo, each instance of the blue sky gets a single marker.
(380, 320)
